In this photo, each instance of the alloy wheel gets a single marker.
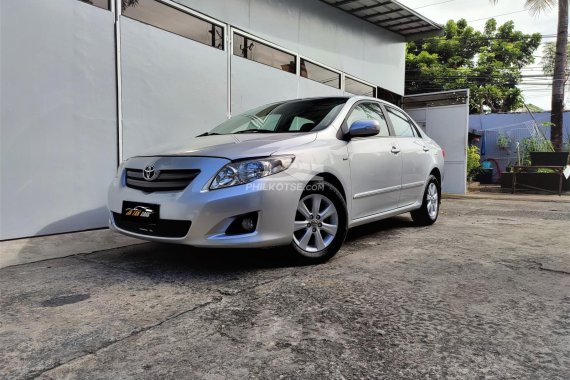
(316, 223)
(432, 201)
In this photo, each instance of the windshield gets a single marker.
(285, 117)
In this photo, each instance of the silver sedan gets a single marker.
(297, 173)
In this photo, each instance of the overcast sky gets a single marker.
(475, 10)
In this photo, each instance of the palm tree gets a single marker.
(558, 77)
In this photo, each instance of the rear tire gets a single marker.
(428, 213)
(321, 223)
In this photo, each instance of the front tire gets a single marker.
(428, 213)
(321, 223)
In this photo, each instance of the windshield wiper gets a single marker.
(208, 134)
(254, 131)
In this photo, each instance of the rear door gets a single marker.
(375, 165)
(415, 156)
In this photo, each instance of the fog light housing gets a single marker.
(247, 224)
(243, 224)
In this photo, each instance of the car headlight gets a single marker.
(238, 173)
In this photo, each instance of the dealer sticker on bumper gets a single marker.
(140, 212)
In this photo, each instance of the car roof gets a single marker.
(354, 97)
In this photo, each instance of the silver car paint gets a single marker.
(372, 191)
(238, 146)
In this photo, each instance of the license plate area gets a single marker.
(143, 213)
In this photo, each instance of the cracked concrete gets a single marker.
(484, 293)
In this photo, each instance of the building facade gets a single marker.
(85, 84)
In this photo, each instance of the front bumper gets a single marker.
(210, 212)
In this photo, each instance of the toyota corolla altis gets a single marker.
(297, 173)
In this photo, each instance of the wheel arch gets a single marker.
(437, 174)
(333, 180)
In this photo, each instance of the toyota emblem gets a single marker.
(150, 173)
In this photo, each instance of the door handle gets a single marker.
(395, 150)
(426, 149)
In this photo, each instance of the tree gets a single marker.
(129, 3)
(549, 56)
(560, 64)
(548, 60)
(489, 63)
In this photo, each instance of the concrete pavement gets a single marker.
(485, 292)
(22, 251)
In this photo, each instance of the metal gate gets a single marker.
(444, 116)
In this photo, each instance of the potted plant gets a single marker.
(503, 141)
(541, 151)
(538, 151)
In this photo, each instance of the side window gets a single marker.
(367, 111)
(401, 124)
(417, 132)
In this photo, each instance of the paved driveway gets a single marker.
(484, 293)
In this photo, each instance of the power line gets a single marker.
(526, 36)
(484, 75)
(531, 70)
(454, 78)
(503, 14)
(429, 5)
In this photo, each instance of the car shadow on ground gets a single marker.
(161, 257)
(382, 226)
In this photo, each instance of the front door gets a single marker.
(375, 165)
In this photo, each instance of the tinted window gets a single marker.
(246, 47)
(319, 74)
(400, 122)
(293, 116)
(367, 111)
(300, 123)
(173, 20)
(99, 3)
(357, 88)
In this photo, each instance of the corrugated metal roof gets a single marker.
(390, 15)
(436, 99)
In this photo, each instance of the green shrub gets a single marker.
(473, 162)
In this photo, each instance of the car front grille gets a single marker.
(162, 228)
(167, 180)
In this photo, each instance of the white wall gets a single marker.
(308, 88)
(254, 84)
(173, 88)
(57, 116)
(319, 32)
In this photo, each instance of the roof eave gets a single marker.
(434, 29)
(422, 35)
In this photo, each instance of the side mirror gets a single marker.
(364, 128)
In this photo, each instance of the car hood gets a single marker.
(239, 146)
